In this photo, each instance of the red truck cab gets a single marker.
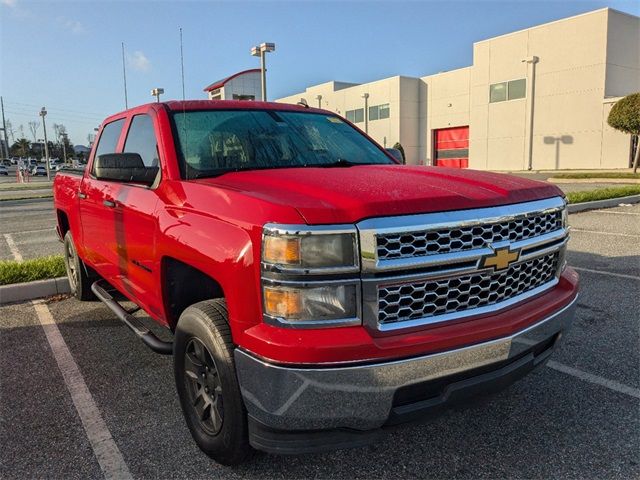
(317, 291)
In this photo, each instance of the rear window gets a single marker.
(214, 142)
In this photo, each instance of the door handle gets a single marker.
(109, 203)
(82, 195)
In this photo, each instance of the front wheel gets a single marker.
(207, 384)
(79, 279)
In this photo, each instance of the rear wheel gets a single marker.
(79, 280)
(207, 383)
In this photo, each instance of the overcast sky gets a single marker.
(67, 55)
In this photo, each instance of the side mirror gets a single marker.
(124, 167)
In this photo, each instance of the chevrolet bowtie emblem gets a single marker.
(501, 258)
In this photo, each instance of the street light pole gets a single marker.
(531, 87)
(156, 92)
(4, 129)
(64, 146)
(260, 51)
(366, 112)
(319, 98)
(43, 113)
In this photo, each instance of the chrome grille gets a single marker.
(433, 298)
(461, 238)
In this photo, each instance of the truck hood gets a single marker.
(351, 194)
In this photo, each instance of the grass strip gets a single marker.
(25, 186)
(630, 175)
(603, 193)
(30, 270)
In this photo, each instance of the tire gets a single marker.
(207, 384)
(79, 279)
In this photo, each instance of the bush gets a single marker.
(625, 117)
(30, 270)
(602, 194)
(398, 146)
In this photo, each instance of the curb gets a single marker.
(628, 181)
(608, 203)
(19, 292)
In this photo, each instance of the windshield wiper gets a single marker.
(341, 162)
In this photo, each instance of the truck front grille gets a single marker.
(408, 301)
(438, 267)
(446, 240)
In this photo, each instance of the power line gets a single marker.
(96, 114)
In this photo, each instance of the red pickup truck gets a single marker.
(316, 291)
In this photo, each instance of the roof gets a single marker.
(220, 83)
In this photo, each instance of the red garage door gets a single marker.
(451, 147)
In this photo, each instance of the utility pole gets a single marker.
(43, 113)
(4, 129)
(64, 146)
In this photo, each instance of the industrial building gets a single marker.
(533, 99)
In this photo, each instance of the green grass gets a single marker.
(27, 197)
(30, 270)
(603, 193)
(629, 175)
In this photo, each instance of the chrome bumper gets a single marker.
(361, 397)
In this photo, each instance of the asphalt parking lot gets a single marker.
(109, 408)
(27, 227)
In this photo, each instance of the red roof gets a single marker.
(220, 83)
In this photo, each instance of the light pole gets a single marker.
(64, 146)
(43, 113)
(319, 98)
(366, 112)
(531, 87)
(156, 92)
(260, 51)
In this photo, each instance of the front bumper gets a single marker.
(365, 397)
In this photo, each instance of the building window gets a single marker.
(243, 97)
(355, 116)
(516, 89)
(512, 90)
(379, 112)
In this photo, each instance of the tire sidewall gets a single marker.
(229, 444)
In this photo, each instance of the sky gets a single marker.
(67, 55)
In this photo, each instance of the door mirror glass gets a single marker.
(124, 167)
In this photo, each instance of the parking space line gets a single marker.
(595, 379)
(603, 272)
(105, 449)
(612, 234)
(13, 247)
(617, 213)
(50, 229)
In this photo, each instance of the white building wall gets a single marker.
(245, 84)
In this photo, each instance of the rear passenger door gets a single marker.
(96, 213)
(136, 226)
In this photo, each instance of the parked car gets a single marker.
(6, 162)
(39, 170)
(4, 170)
(316, 290)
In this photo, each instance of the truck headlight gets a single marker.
(311, 250)
(312, 306)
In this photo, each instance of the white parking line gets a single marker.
(13, 247)
(612, 234)
(611, 274)
(50, 229)
(105, 449)
(595, 379)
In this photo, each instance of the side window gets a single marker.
(141, 139)
(109, 138)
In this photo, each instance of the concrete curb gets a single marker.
(608, 203)
(628, 181)
(19, 292)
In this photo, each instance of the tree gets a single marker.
(20, 148)
(33, 128)
(398, 146)
(625, 117)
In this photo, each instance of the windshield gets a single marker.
(213, 142)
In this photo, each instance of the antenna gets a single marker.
(182, 63)
(124, 75)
